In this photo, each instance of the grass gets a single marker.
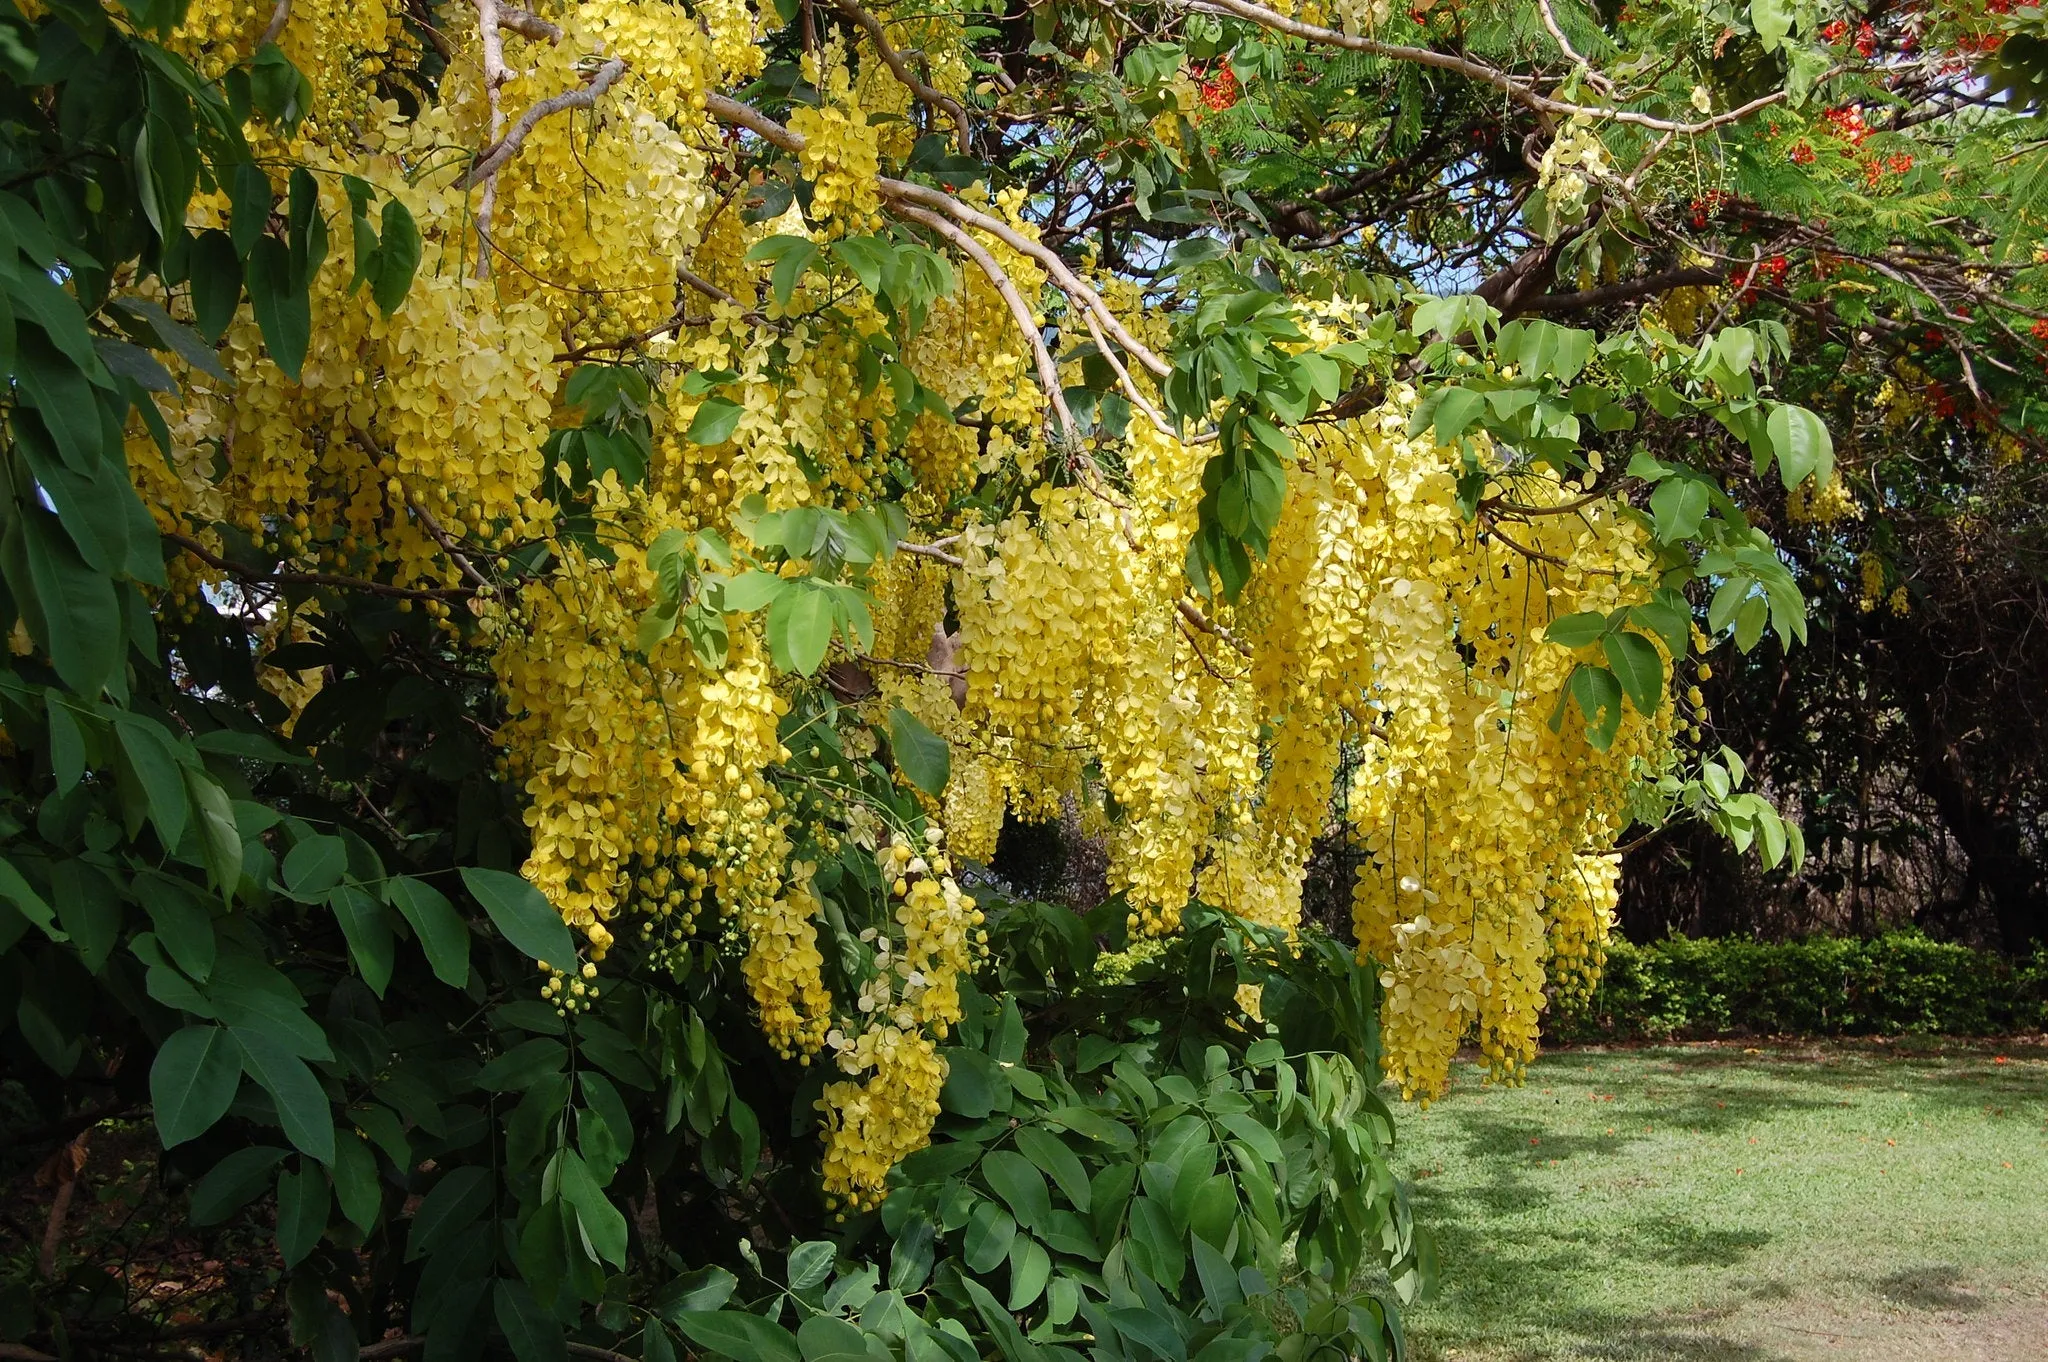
(1716, 1203)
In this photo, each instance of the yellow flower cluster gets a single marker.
(886, 1107)
(1825, 504)
(841, 156)
(1385, 631)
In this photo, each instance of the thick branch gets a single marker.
(526, 24)
(506, 148)
(1593, 77)
(741, 115)
(930, 95)
(1048, 371)
(1691, 276)
(278, 18)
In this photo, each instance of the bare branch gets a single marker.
(731, 111)
(526, 24)
(277, 577)
(1516, 88)
(1048, 371)
(1593, 77)
(936, 98)
(504, 150)
(279, 17)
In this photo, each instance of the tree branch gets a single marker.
(930, 95)
(506, 148)
(1517, 89)
(252, 577)
(1692, 276)
(1048, 370)
(279, 17)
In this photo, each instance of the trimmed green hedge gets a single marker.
(1902, 982)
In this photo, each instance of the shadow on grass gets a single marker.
(1959, 1074)
(1938, 1286)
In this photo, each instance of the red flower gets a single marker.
(1219, 88)
(1801, 154)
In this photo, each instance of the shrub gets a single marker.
(1898, 983)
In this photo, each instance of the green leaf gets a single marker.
(531, 1333)
(19, 892)
(315, 866)
(1598, 694)
(370, 942)
(441, 933)
(1802, 443)
(739, 1336)
(80, 617)
(751, 590)
(1678, 507)
(974, 1085)
(174, 335)
(233, 1183)
(216, 285)
(912, 1255)
(715, 421)
(789, 269)
(1455, 412)
(1576, 631)
(800, 628)
(282, 311)
(920, 753)
(523, 914)
(449, 1207)
(810, 1263)
(705, 1289)
(356, 1186)
(1220, 1285)
(604, 1228)
(184, 925)
(1053, 1158)
(250, 201)
(89, 907)
(398, 257)
(990, 1229)
(825, 1338)
(1013, 1178)
(1009, 1338)
(276, 88)
(1639, 667)
(192, 1082)
(1030, 1270)
(220, 836)
(150, 761)
(302, 1107)
(302, 1206)
(53, 385)
(1669, 617)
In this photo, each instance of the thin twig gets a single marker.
(1515, 88)
(274, 577)
(934, 551)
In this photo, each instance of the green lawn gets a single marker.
(1772, 1204)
